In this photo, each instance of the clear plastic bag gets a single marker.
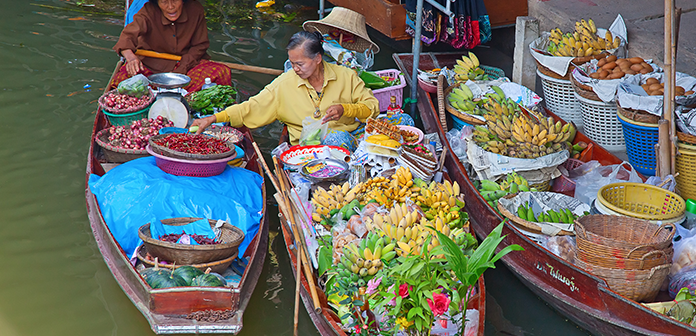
(562, 246)
(313, 132)
(587, 186)
(136, 86)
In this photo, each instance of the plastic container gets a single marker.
(384, 95)
(207, 84)
(125, 119)
(560, 98)
(641, 200)
(685, 164)
(640, 144)
(600, 123)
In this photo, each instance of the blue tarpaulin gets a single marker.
(134, 8)
(138, 192)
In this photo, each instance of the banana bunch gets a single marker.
(383, 140)
(392, 191)
(584, 41)
(441, 201)
(523, 136)
(468, 68)
(551, 216)
(462, 99)
(368, 257)
(492, 191)
(325, 201)
(499, 106)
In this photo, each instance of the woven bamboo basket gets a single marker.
(637, 285)
(542, 186)
(638, 115)
(218, 266)
(583, 90)
(467, 118)
(526, 225)
(186, 156)
(576, 61)
(183, 254)
(624, 232)
(618, 252)
(686, 137)
(115, 154)
(647, 261)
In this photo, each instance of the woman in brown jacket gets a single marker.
(175, 27)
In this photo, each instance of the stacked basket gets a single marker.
(598, 117)
(559, 95)
(124, 117)
(685, 162)
(640, 134)
(186, 164)
(633, 256)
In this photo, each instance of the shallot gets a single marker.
(136, 135)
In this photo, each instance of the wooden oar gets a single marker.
(243, 67)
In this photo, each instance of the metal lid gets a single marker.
(169, 80)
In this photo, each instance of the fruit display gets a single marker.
(325, 201)
(136, 135)
(182, 276)
(584, 41)
(382, 126)
(492, 191)
(462, 99)
(612, 68)
(653, 87)
(383, 140)
(522, 136)
(365, 258)
(566, 216)
(468, 68)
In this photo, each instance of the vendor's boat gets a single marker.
(166, 309)
(583, 297)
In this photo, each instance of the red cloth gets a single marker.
(217, 72)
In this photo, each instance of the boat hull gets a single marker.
(578, 295)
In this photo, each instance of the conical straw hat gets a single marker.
(346, 20)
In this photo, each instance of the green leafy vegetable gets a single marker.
(207, 100)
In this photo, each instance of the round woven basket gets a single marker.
(685, 165)
(116, 154)
(641, 200)
(618, 252)
(526, 225)
(583, 90)
(686, 137)
(576, 61)
(218, 266)
(647, 261)
(637, 115)
(624, 233)
(162, 150)
(637, 285)
(467, 118)
(125, 111)
(183, 254)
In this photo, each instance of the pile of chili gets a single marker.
(193, 144)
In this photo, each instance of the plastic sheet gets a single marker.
(138, 192)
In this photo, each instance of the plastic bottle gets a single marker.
(393, 108)
(207, 84)
(690, 214)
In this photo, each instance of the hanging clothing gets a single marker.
(470, 27)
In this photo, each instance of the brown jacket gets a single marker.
(150, 30)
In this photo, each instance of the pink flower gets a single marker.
(403, 290)
(372, 285)
(439, 304)
(393, 300)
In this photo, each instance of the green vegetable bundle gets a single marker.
(374, 81)
(207, 100)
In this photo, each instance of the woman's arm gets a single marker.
(364, 104)
(127, 44)
(259, 110)
(199, 42)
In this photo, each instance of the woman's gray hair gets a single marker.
(311, 43)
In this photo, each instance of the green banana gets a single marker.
(554, 216)
(522, 212)
(489, 185)
(530, 214)
(498, 91)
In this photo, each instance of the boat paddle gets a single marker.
(235, 66)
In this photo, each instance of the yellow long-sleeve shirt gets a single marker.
(287, 100)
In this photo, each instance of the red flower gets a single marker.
(404, 289)
(439, 304)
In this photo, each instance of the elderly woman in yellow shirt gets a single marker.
(332, 93)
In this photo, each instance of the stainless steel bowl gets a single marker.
(340, 177)
(169, 80)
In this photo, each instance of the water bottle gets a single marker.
(208, 83)
(690, 214)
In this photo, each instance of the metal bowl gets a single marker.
(339, 177)
(169, 80)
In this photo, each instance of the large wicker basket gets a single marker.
(647, 261)
(637, 285)
(183, 254)
(624, 232)
(162, 150)
(467, 118)
(525, 224)
(217, 266)
(116, 154)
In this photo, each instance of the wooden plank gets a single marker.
(505, 13)
(386, 17)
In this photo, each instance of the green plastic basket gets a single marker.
(126, 119)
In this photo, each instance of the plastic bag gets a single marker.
(313, 132)
(136, 86)
(587, 186)
(681, 280)
(684, 258)
(562, 246)
(341, 237)
(357, 226)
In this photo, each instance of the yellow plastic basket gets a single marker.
(685, 164)
(641, 201)
(542, 186)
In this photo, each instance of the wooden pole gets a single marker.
(664, 137)
(242, 67)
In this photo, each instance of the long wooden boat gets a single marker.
(326, 321)
(165, 309)
(582, 297)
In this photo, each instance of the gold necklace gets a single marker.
(316, 102)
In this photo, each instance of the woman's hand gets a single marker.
(203, 123)
(133, 64)
(333, 113)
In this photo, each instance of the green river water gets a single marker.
(53, 280)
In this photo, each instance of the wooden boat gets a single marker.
(326, 321)
(582, 297)
(165, 309)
